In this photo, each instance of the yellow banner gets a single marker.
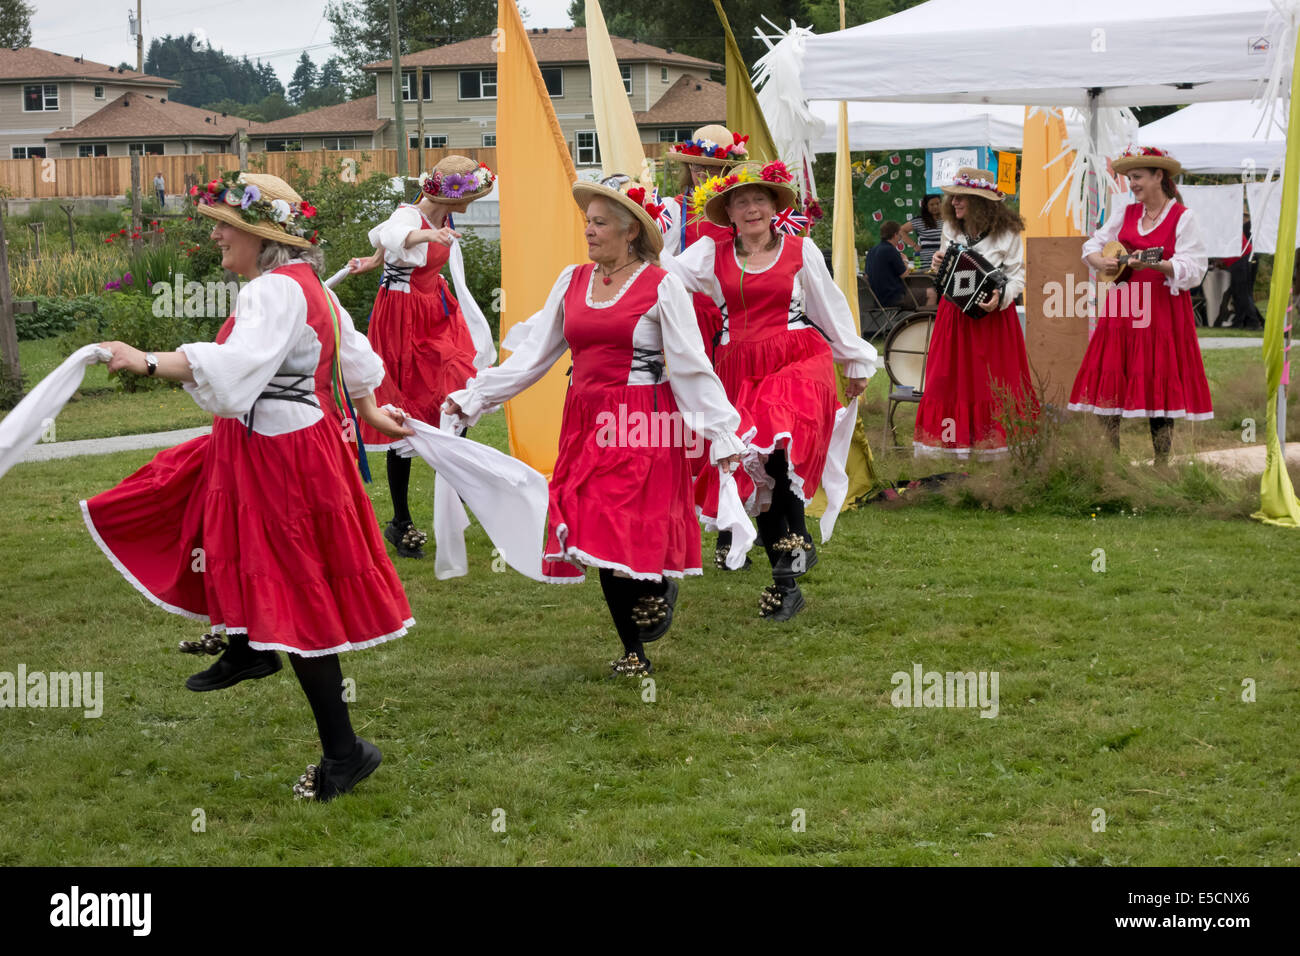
(743, 113)
(541, 226)
(1044, 138)
(1007, 172)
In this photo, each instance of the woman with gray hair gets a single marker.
(263, 527)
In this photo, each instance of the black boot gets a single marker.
(332, 778)
(653, 613)
(239, 662)
(406, 538)
(780, 600)
(795, 556)
(621, 595)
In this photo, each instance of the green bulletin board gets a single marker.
(891, 188)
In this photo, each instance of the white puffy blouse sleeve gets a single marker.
(694, 268)
(828, 308)
(1011, 250)
(390, 236)
(270, 318)
(696, 387)
(1190, 259)
(363, 369)
(538, 352)
(1108, 232)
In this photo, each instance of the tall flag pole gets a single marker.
(743, 112)
(1278, 504)
(541, 226)
(620, 143)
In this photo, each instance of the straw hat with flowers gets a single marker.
(712, 145)
(259, 203)
(709, 200)
(632, 196)
(973, 181)
(457, 179)
(1146, 157)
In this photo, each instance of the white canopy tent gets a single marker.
(1225, 137)
(1046, 52)
(921, 125)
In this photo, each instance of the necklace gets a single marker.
(605, 276)
(1157, 215)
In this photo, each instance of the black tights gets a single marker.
(621, 594)
(1162, 434)
(322, 681)
(785, 515)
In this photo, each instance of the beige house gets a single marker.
(459, 91)
(41, 92)
(138, 122)
(352, 125)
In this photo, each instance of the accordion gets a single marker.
(966, 279)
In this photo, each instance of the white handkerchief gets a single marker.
(732, 517)
(835, 475)
(479, 330)
(34, 414)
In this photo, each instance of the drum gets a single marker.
(905, 350)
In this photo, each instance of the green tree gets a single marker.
(303, 80)
(16, 23)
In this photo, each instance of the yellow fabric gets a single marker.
(1044, 139)
(1007, 172)
(861, 466)
(541, 226)
(743, 113)
(1278, 504)
(620, 143)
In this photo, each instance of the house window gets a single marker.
(92, 149)
(28, 152)
(663, 74)
(99, 92)
(42, 97)
(431, 141)
(553, 76)
(283, 145)
(588, 149)
(478, 84)
(408, 87)
(679, 135)
(489, 140)
(337, 142)
(627, 78)
(145, 149)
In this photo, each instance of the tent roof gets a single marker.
(1219, 137)
(1046, 52)
(922, 125)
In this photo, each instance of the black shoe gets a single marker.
(798, 556)
(653, 614)
(720, 559)
(408, 541)
(631, 665)
(780, 602)
(335, 777)
(224, 673)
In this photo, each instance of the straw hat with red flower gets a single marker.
(259, 203)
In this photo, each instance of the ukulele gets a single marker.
(1127, 261)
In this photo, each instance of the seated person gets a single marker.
(885, 267)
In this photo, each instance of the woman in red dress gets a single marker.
(1143, 360)
(785, 325)
(416, 326)
(975, 367)
(263, 528)
(711, 150)
(620, 495)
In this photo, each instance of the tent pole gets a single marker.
(1093, 186)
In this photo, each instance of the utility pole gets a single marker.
(419, 115)
(139, 38)
(397, 92)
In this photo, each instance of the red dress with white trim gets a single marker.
(263, 527)
(784, 327)
(416, 325)
(1144, 360)
(975, 367)
(620, 495)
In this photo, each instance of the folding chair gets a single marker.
(876, 318)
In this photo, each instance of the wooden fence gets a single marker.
(111, 175)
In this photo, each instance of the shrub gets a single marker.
(67, 274)
(483, 275)
(55, 316)
(130, 319)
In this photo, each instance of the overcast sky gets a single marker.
(276, 32)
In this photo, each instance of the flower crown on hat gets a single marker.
(440, 185)
(649, 202)
(1136, 151)
(774, 172)
(254, 209)
(983, 184)
(707, 148)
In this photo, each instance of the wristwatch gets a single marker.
(151, 363)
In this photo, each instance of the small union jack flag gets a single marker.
(790, 222)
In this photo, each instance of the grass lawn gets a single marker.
(1119, 691)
